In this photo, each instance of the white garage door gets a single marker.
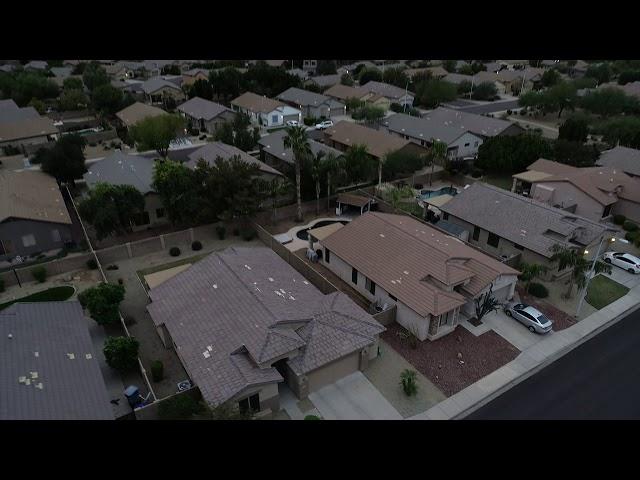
(333, 372)
(502, 293)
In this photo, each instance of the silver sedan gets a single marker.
(533, 319)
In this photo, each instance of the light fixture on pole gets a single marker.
(583, 294)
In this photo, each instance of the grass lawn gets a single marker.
(603, 291)
(55, 294)
(501, 181)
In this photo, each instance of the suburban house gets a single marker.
(516, 228)
(520, 81)
(312, 105)
(480, 125)
(457, 78)
(432, 278)
(324, 81)
(205, 115)
(489, 77)
(214, 150)
(54, 372)
(192, 76)
(623, 159)
(435, 72)
(33, 215)
(137, 111)
(124, 70)
(136, 171)
(632, 88)
(391, 92)
(421, 131)
(309, 65)
(36, 66)
(273, 152)
(22, 127)
(346, 134)
(246, 325)
(596, 192)
(344, 92)
(158, 90)
(265, 111)
(349, 69)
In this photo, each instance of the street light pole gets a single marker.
(583, 294)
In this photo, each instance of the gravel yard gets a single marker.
(438, 360)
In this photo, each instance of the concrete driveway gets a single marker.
(623, 277)
(353, 398)
(511, 330)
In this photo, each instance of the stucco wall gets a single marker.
(565, 194)
(14, 229)
(629, 209)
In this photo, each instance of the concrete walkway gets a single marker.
(353, 398)
(530, 361)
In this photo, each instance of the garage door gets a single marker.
(502, 293)
(333, 372)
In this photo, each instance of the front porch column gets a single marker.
(513, 185)
(433, 324)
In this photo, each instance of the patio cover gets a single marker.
(531, 176)
(439, 200)
(354, 200)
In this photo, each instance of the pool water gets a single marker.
(304, 234)
(424, 194)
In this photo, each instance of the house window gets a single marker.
(274, 118)
(493, 240)
(518, 247)
(160, 212)
(327, 255)
(2, 250)
(475, 144)
(476, 233)
(55, 235)
(393, 298)
(141, 219)
(251, 403)
(28, 240)
(607, 211)
(371, 286)
(466, 144)
(354, 276)
(445, 216)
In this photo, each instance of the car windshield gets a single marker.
(543, 320)
(519, 306)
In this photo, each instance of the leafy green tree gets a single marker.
(71, 99)
(449, 65)
(79, 68)
(438, 152)
(228, 411)
(179, 407)
(297, 140)
(106, 99)
(72, 83)
(395, 76)
(485, 91)
(513, 153)
(224, 133)
(177, 187)
(464, 87)
(353, 104)
(625, 130)
(628, 76)
(201, 88)
(65, 160)
(529, 272)
(94, 75)
(466, 69)
(38, 105)
(609, 101)
(584, 82)
(550, 78)
(333, 166)
(171, 70)
(398, 162)
(264, 79)
(23, 86)
(274, 189)
(156, 133)
(359, 164)
(111, 209)
(574, 129)
(103, 302)
(432, 93)
(368, 113)
(557, 98)
(601, 72)
(567, 257)
(346, 79)
(574, 153)
(369, 74)
(226, 83)
(121, 353)
(326, 67)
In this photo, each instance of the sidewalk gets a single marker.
(530, 361)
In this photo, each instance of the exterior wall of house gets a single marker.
(512, 130)
(564, 194)
(25, 141)
(268, 395)
(629, 209)
(165, 92)
(152, 203)
(465, 146)
(383, 102)
(274, 118)
(405, 100)
(333, 371)
(254, 117)
(12, 232)
(189, 80)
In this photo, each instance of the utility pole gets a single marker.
(583, 294)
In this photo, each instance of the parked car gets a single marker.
(623, 260)
(530, 317)
(323, 125)
(293, 123)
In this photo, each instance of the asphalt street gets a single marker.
(598, 380)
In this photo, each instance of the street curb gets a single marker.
(529, 373)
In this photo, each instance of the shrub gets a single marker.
(538, 290)
(112, 267)
(120, 281)
(311, 417)
(92, 264)
(40, 274)
(629, 226)
(196, 245)
(619, 219)
(248, 234)
(1, 285)
(236, 231)
(121, 353)
(509, 112)
(309, 121)
(476, 173)
(157, 370)
(102, 301)
(408, 382)
(174, 251)
(221, 231)
(179, 407)
(631, 236)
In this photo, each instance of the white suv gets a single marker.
(323, 125)
(623, 260)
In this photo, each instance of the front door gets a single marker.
(251, 403)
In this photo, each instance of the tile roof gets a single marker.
(211, 151)
(256, 103)
(524, 221)
(32, 195)
(621, 158)
(242, 307)
(44, 334)
(424, 128)
(325, 80)
(28, 126)
(457, 78)
(414, 262)
(138, 111)
(156, 83)
(273, 143)
(478, 124)
(10, 112)
(122, 169)
(302, 97)
(389, 91)
(202, 109)
(343, 92)
(378, 143)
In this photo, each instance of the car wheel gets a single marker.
(509, 314)
(631, 270)
(533, 330)
(608, 260)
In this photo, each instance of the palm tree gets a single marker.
(572, 258)
(316, 171)
(438, 150)
(275, 189)
(333, 165)
(297, 140)
(358, 163)
(530, 271)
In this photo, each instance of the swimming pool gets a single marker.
(424, 194)
(304, 233)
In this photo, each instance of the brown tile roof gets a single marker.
(414, 262)
(378, 143)
(351, 199)
(27, 128)
(551, 167)
(31, 195)
(256, 103)
(343, 92)
(138, 111)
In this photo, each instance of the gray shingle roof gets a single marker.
(274, 144)
(62, 72)
(302, 97)
(478, 124)
(59, 388)
(122, 169)
(202, 109)
(10, 112)
(623, 158)
(457, 78)
(325, 80)
(423, 129)
(384, 89)
(213, 150)
(244, 306)
(521, 220)
(156, 83)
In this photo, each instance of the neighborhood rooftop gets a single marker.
(423, 129)
(378, 143)
(303, 97)
(122, 169)
(384, 89)
(523, 221)
(622, 158)
(478, 124)
(202, 109)
(273, 144)
(213, 150)
(415, 262)
(49, 369)
(138, 111)
(232, 314)
(256, 103)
